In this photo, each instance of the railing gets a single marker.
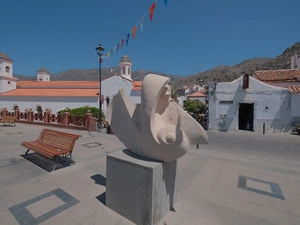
(84, 122)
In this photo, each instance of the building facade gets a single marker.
(55, 96)
(254, 106)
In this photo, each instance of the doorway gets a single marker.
(246, 116)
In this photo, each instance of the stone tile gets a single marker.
(259, 186)
(74, 215)
(293, 203)
(180, 216)
(243, 194)
(225, 216)
(296, 219)
(258, 211)
(212, 196)
(21, 196)
(184, 161)
(45, 205)
(106, 216)
(199, 220)
(228, 179)
(190, 202)
(203, 181)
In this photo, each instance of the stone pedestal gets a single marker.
(141, 190)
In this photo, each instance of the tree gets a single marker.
(195, 106)
(81, 111)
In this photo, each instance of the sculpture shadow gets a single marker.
(101, 198)
(99, 179)
(135, 156)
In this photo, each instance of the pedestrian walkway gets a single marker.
(216, 185)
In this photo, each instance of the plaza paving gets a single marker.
(238, 178)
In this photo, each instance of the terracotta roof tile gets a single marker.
(137, 85)
(294, 89)
(58, 84)
(278, 75)
(53, 92)
(197, 94)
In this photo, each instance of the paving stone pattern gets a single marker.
(238, 178)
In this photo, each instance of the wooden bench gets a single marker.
(53, 144)
(8, 120)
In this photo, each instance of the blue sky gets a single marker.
(184, 38)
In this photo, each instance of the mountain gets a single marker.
(225, 73)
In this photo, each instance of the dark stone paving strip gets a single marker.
(275, 188)
(24, 217)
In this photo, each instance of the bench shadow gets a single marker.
(45, 163)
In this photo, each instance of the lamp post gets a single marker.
(99, 50)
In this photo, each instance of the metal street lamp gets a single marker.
(99, 50)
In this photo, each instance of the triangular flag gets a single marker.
(152, 7)
(133, 32)
(118, 47)
(122, 43)
(141, 23)
(166, 2)
(111, 52)
(127, 38)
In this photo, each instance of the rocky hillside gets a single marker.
(226, 73)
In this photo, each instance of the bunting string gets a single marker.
(132, 32)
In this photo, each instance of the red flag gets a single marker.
(122, 43)
(133, 32)
(152, 7)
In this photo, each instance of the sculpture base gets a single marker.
(139, 189)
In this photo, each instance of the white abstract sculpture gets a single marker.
(157, 128)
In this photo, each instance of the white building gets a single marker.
(256, 104)
(57, 95)
(295, 61)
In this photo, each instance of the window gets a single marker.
(123, 70)
(107, 101)
(226, 102)
(39, 110)
(128, 70)
(8, 82)
(7, 69)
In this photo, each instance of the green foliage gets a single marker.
(195, 106)
(81, 111)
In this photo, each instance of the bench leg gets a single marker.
(27, 151)
(54, 167)
(74, 162)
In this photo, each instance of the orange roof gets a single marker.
(53, 92)
(137, 85)
(58, 84)
(197, 94)
(294, 89)
(278, 75)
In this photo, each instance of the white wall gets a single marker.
(271, 105)
(55, 103)
(295, 103)
(3, 64)
(7, 84)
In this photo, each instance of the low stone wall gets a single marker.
(86, 122)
